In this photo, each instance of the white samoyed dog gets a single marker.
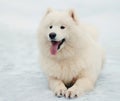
(71, 57)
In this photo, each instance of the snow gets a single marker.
(21, 78)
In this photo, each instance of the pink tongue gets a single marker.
(54, 48)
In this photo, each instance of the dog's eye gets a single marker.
(62, 27)
(51, 27)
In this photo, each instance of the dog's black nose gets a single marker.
(52, 35)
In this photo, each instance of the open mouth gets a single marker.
(56, 46)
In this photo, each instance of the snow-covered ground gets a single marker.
(20, 76)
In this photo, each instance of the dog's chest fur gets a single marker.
(67, 71)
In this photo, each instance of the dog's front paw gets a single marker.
(72, 92)
(60, 91)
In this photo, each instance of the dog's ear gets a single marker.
(73, 15)
(49, 10)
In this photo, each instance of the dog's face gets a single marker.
(57, 27)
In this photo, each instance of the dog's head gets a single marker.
(57, 27)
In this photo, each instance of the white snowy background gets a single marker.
(21, 78)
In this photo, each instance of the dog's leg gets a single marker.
(57, 86)
(81, 85)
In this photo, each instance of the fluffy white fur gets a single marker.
(79, 60)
